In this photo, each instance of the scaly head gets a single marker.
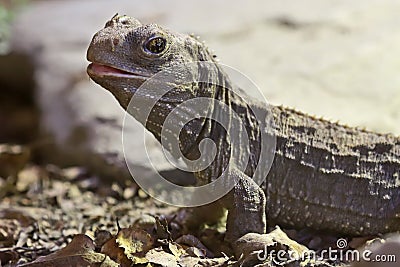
(125, 54)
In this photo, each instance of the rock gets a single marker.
(18, 115)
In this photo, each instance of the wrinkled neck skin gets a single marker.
(234, 147)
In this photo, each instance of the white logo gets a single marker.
(341, 243)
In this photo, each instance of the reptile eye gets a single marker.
(155, 45)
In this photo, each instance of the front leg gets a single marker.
(246, 207)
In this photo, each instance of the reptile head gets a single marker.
(126, 53)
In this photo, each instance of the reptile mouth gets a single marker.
(97, 69)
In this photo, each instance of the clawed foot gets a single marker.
(274, 248)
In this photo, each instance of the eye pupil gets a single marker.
(156, 45)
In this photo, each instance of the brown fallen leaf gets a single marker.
(193, 241)
(146, 222)
(80, 252)
(195, 252)
(111, 249)
(162, 228)
(8, 255)
(176, 249)
(101, 237)
(160, 257)
(134, 241)
(129, 246)
(215, 262)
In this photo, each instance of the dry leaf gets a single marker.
(159, 256)
(162, 228)
(215, 262)
(80, 252)
(195, 252)
(134, 241)
(176, 249)
(193, 241)
(116, 253)
(129, 246)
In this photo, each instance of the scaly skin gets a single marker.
(324, 176)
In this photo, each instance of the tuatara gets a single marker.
(324, 175)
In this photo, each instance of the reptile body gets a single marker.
(324, 176)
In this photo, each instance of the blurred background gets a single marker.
(337, 59)
(62, 164)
